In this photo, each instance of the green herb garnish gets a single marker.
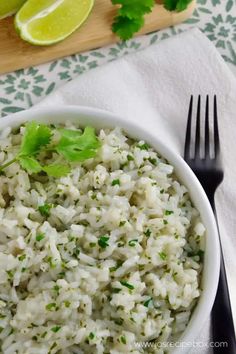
(199, 253)
(169, 212)
(51, 307)
(45, 209)
(103, 241)
(147, 233)
(127, 285)
(21, 257)
(143, 146)
(123, 339)
(40, 237)
(152, 160)
(10, 274)
(72, 146)
(91, 335)
(132, 243)
(146, 303)
(162, 255)
(119, 321)
(115, 182)
(55, 329)
(176, 5)
(130, 15)
(56, 288)
(130, 158)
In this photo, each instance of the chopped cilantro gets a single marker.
(21, 257)
(40, 237)
(91, 335)
(123, 339)
(162, 255)
(130, 158)
(56, 288)
(51, 307)
(146, 303)
(147, 233)
(143, 146)
(45, 209)
(199, 253)
(132, 243)
(103, 241)
(43, 335)
(55, 329)
(152, 160)
(115, 182)
(127, 285)
(10, 274)
(119, 321)
(169, 212)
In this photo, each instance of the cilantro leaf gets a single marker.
(40, 237)
(56, 170)
(146, 303)
(45, 209)
(176, 5)
(125, 27)
(79, 148)
(130, 16)
(74, 145)
(170, 4)
(182, 5)
(35, 137)
(127, 285)
(103, 241)
(69, 133)
(30, 164)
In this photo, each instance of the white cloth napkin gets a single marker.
(153, 88)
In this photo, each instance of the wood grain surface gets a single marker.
(95, 32)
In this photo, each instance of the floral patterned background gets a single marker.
(22, 89)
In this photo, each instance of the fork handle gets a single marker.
(222, 319)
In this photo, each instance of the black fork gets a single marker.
(205, 161)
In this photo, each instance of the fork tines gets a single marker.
(202, 143)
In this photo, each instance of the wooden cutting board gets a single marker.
(95, 32)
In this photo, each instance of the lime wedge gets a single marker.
(45, 22)
(9, 7)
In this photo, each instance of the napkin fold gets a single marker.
(152, 88)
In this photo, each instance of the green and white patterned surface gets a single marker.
(22, 89)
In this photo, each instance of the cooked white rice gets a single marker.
(119, 257)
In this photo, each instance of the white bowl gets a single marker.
(101, 119)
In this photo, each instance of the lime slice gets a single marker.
(9, 7)
(45, 22)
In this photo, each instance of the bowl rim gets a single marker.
(101, 118)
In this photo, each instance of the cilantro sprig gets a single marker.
(73, 146)
(130, 15)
